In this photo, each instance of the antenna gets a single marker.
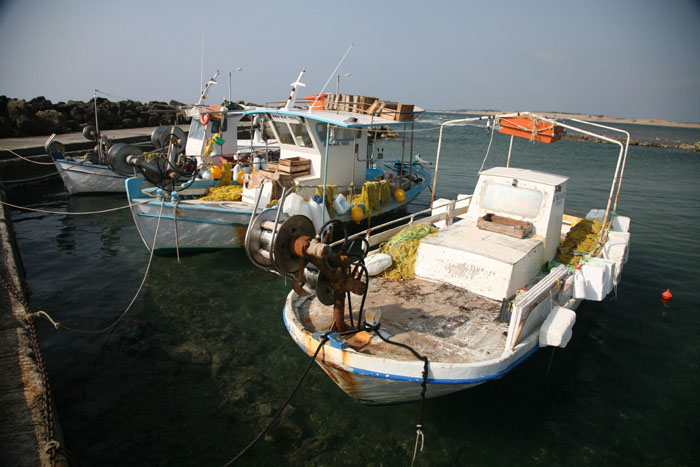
(332, 74)
(291, 100)
(201, 69)
(211, 81)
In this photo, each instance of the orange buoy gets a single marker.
(399, 195)
(204, 118)
(240, 178)
(667, 295)
(356, 213)
(216, 172)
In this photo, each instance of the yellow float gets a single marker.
(356, 213)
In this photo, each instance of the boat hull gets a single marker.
(192, 225)
(380, 380)
(85, 177)
(184, 225)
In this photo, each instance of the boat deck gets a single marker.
(439, 321)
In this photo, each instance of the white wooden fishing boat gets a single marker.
(321, 144)
(105, 169)
(491, 285)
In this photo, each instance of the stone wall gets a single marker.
(39, 116)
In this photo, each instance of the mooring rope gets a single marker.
(43, 211)
(27, 159)
(324, 339)
(424, 386)
(58, 325)
(20, 180)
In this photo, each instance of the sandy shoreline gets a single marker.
(590, 118)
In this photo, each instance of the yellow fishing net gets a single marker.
(224, 193)
(225, 174)
(403, 248)
(583, 238)
(330, 196)
(374, 196)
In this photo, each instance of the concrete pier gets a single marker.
(16, 171)
(29, 429)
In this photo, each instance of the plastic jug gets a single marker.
(293, 204)
(340, 204)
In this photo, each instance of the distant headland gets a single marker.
(588, 117)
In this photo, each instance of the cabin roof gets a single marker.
(337, 118)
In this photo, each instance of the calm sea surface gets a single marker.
(202, 359)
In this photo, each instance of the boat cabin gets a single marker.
(511, 229)
(205, 125)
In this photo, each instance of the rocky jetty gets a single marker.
(39, 116)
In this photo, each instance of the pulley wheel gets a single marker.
(324, 291)
(116, 158)
(296, 226)
(90, 132)
(253, 245)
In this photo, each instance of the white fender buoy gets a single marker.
(377, 263)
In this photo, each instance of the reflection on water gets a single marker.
(202, 361)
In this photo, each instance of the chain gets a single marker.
(51, 444)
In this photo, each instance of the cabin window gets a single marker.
(507, 199)
(269, 132)
(301, 135)
(285, 136)
(217, 126)
(196, 129)
(342, 135)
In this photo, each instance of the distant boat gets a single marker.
(323, 142)
(499, 278)
(105, 169)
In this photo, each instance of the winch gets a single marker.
(290, 247)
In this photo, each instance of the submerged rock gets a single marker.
(189, 352)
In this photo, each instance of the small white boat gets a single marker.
(490, 287)
(322, 142)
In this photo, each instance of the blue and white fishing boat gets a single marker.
(324, 141)
(499, 278)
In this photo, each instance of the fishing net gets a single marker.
(225, 174)
(403, 248)
(224, 193)
(374, 196)
(581, 241)
(330, 196)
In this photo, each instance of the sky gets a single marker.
(620, 58)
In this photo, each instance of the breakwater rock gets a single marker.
(39, 116)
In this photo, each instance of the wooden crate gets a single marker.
(404, 113)
(294, 166)
(504, 225)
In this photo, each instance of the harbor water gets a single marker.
(202, 360)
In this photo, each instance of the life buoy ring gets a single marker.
(204, 118)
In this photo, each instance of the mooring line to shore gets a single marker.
(58, 325)
(43, 211)
(27, 159)
(30, 179)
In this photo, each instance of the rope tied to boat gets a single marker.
(324, 339)
(424, 385)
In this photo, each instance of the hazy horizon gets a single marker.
(621, 59)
